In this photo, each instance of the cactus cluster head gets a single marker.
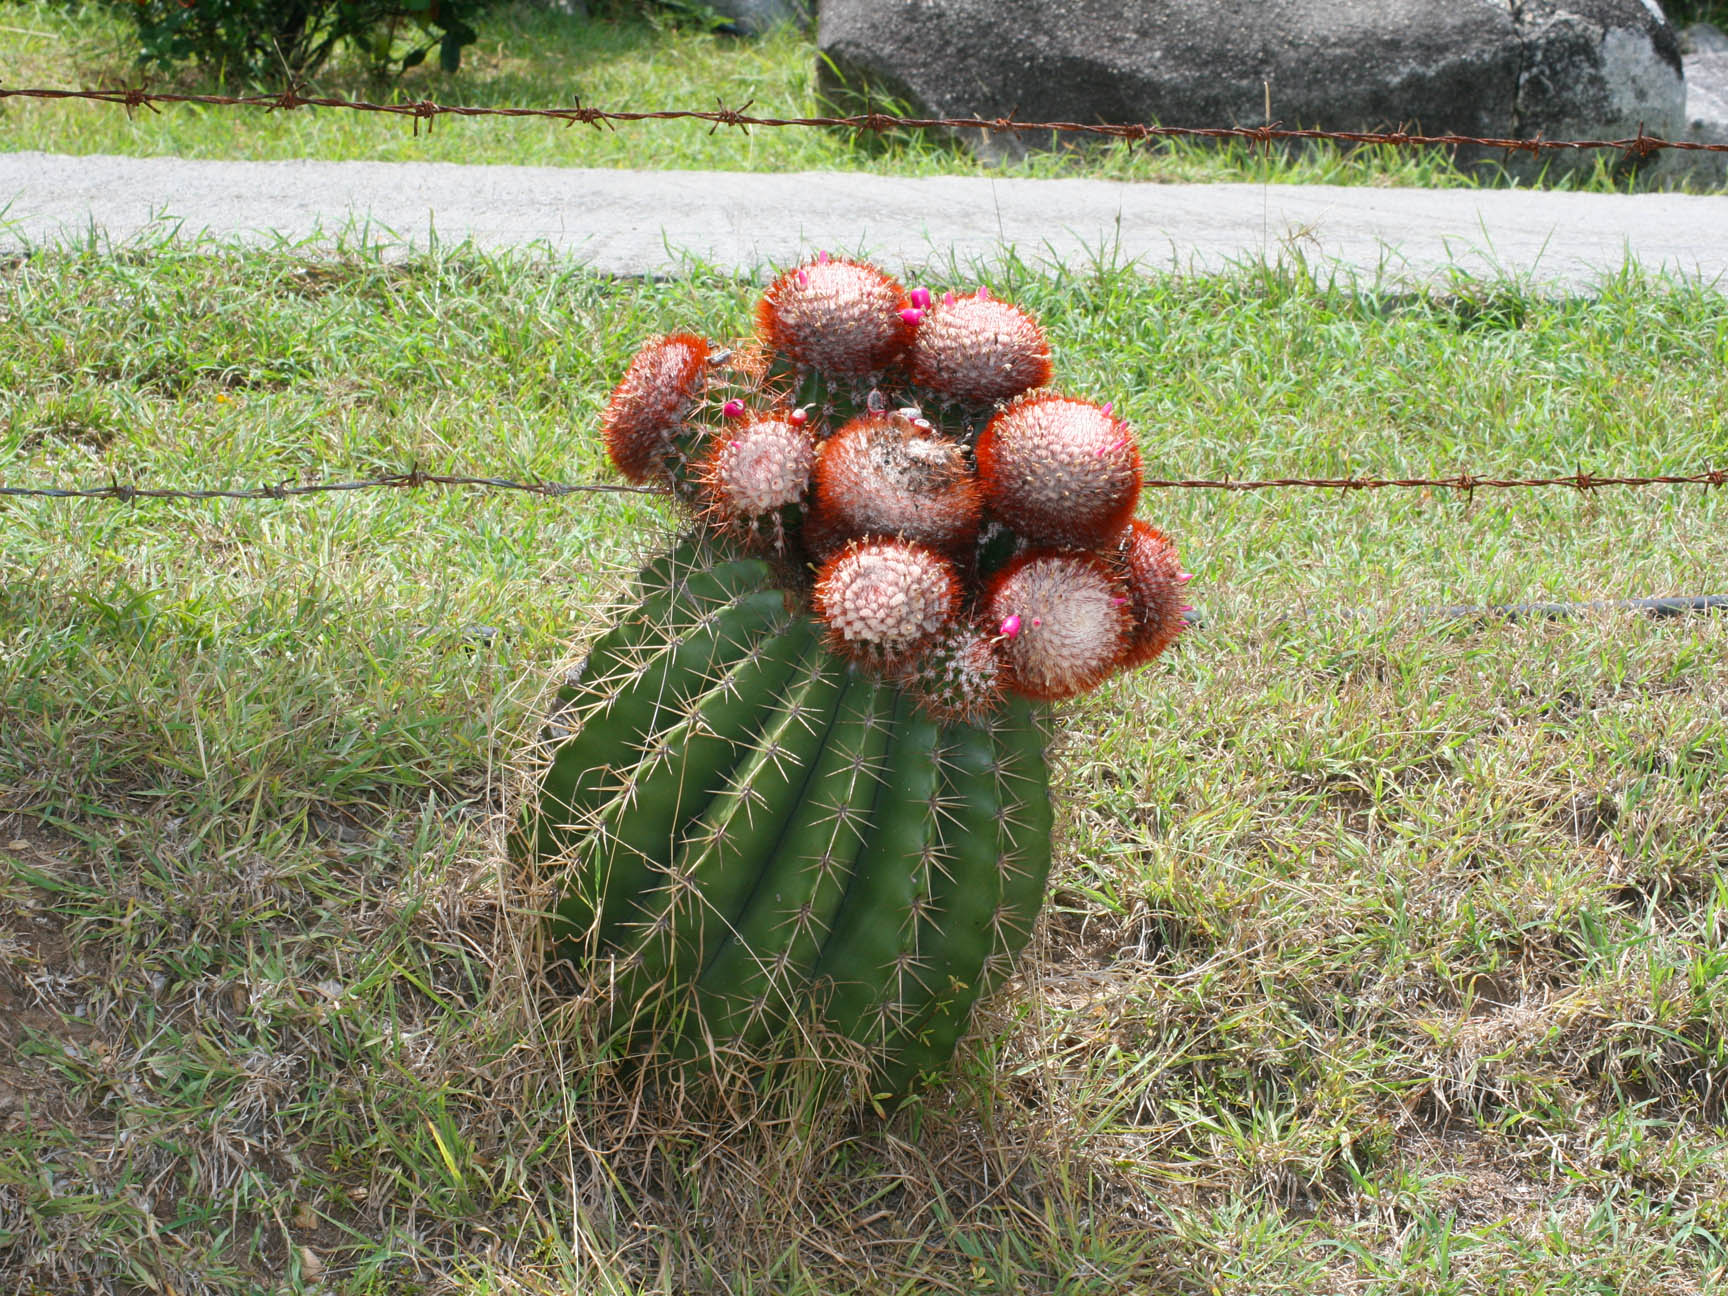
(895, 475)
(953, 523)
(647, 412)
(978, 348)
(959, 677)
(1060, 471)
(753, 474)
(883, 599)
(841, 318)
(1063, 620)
(1154, 579)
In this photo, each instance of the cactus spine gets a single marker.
(797, 795)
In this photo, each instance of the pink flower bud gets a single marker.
(733, 408)
(1011, 626)
(1120, 601)
(983, 293)
(912, 315)
(1187, 608)
(1037, 621)
(948, 299)
(920, 297)
(821, 258)
(803, 279)
(1109, 407)
(1184, 577)
(798, 417)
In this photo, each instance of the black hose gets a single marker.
(1677, 606)
(1664, 608)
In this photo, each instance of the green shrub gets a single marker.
(273, 40)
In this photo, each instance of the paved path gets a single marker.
(649, 222)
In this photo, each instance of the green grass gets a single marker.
(1384, 955)
(1684, 12)
(531, 58)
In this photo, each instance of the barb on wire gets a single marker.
(415, 479)
(131, 98)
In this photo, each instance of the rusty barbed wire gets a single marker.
(133, 98)
(414, 479)
(1465, 483)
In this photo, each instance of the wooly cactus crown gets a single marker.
(898, 444)
(797, 795)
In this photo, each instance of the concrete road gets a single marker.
(652, 222)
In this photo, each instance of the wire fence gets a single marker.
(415, 479)
(1265, 136)
(133, 98)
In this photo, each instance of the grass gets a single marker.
(533, 58)
(1685, 12)
(1383, 955)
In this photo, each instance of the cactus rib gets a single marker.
(719, 860)
(623, 682)
(752, 980)
(953, 927)
(680, 769)
(1023, 782)
(581, 798)
(1004, 779)
(859, 965)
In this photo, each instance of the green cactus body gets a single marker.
(679, 627)
(753, 836)
(951, 926)
(750, 985)
(679, 769)
(638, 716)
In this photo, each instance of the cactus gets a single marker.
(978, 349)
(797, 795)
(894, 475)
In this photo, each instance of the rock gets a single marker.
(754, 17)
(1706, 122)
(1475, 67)
(1450, 67)
(1597, 69)
(1703, 38)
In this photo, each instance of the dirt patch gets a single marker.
(38, 1017)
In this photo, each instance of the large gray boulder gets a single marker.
(1475, 67)
(1706, 119)
(1597, 69)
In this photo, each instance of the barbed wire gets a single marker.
(133, 98)
(415, 479)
